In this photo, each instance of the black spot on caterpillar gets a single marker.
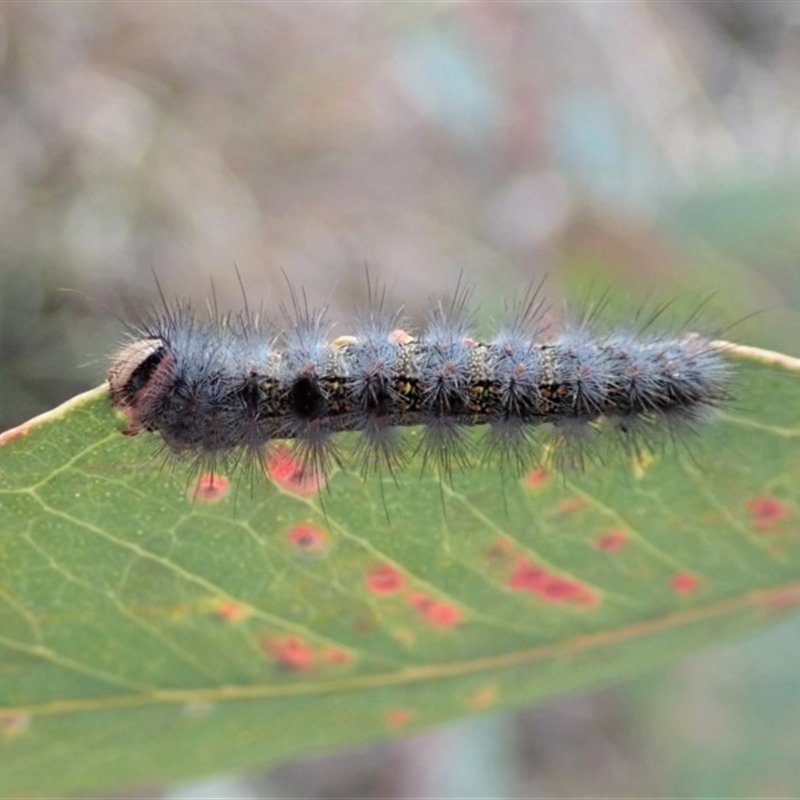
(230, 388)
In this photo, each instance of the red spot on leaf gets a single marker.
(570, 504)
(385, 579)
(232, 612)
(435, 612)
(611, 541)
(784, 600)
(766, 512)
(283, 468)
(684, 583)
(337, 655)
(500, 548)
(13, 433)
(536, 478)
(291, 653)
(527, 577)
(308, 539)
(483, 697)
(209, 488)
(530, 577)
(563, 590)
(398, 717)
(443, 615)
(281, 464)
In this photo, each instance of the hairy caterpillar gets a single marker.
(230, 387)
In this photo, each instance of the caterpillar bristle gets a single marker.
(380, 449)
(316, 452)
(445, 448)
(221, 391)
(511, 447)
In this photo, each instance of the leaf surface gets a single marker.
(148, 634)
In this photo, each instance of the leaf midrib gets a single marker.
(407, 675)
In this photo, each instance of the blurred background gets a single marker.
(649, 147)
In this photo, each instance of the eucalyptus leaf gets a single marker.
(155, 629)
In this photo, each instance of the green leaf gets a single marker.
(149, 635)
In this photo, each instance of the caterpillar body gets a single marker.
(227, 387)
